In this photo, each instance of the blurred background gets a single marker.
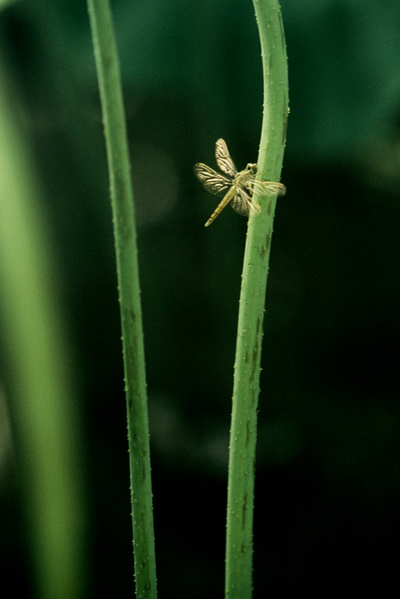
(327, 471)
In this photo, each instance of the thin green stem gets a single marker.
(129, 295)
(239, 539)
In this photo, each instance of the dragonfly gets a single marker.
(238, 187)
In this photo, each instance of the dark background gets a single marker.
(327, 472)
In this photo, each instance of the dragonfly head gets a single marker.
(251, 168)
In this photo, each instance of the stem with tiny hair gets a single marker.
(239, 536)
(129, 295)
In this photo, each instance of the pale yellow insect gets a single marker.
(237, 187)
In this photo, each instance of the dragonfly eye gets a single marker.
(251, 167)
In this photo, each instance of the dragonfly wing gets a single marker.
(214, 182)
(266, 188)
(244, 204)
(224, 159)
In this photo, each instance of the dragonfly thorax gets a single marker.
(246, 174)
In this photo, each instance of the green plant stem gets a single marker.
(129, 295)
(40, 382)
(239, 538)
